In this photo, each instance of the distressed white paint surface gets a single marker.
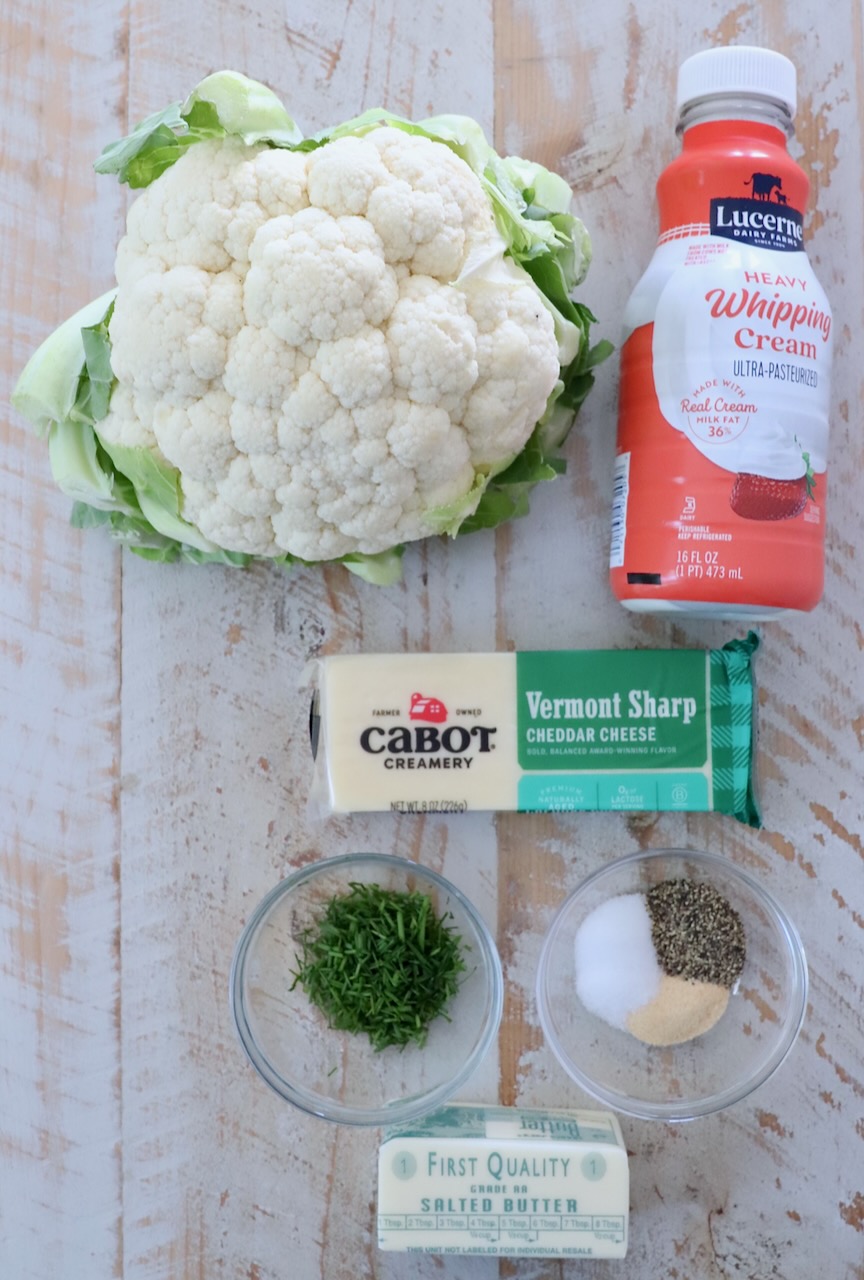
(134, 1139)
(60, 1185)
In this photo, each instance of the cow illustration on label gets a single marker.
(762, 184)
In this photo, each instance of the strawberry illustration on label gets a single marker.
(432, 710)
(757, 497)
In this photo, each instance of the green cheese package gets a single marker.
(540, 730)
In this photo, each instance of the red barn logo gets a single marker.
(432, 710)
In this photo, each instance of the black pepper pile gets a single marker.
(696, 932)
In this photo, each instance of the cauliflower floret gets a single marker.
(356, 369)
(295, 261)
(261, 369)
(435, 202)
(247, 221)
(160, 337)
(223, 306)
(406, 219)
(194, 438)
(197, 203)
(342, 176)
(134, 262)
(297, 518)
(281, 179)
(373, 526)
(253, 430)
(224, 524)
(298, 526)
(517, 353)
(130, 420)
(306, 413)
(433, 448)
(241, 490)
(433, 344)
(321, 442)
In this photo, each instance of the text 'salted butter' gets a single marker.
(504, 1181)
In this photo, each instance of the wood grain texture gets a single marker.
(735, 1195)
(144, 818)
(215, 748)
(60, 1180)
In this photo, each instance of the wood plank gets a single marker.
(220, 1175)
(758, 1205)
(60, 1186)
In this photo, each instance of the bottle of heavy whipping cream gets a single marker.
(720, 472)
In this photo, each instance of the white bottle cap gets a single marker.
(738, 69)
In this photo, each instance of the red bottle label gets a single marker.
(723, 413)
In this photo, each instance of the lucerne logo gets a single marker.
(764, 218)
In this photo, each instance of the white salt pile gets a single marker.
(616, 964)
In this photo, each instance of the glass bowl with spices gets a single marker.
(671, 984)
(366, 989)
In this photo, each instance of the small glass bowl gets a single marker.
(335, 1074)
(738, 1054)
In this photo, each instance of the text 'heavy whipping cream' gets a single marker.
(720, 473)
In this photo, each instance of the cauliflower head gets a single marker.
(322, 349)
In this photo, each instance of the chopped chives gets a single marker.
(381, 963)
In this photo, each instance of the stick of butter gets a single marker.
(503, 1181)
(543, 730)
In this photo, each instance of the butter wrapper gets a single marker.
(541, 730)
(505, 1182)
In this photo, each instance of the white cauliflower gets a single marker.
(315, 298)
(332, 350)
